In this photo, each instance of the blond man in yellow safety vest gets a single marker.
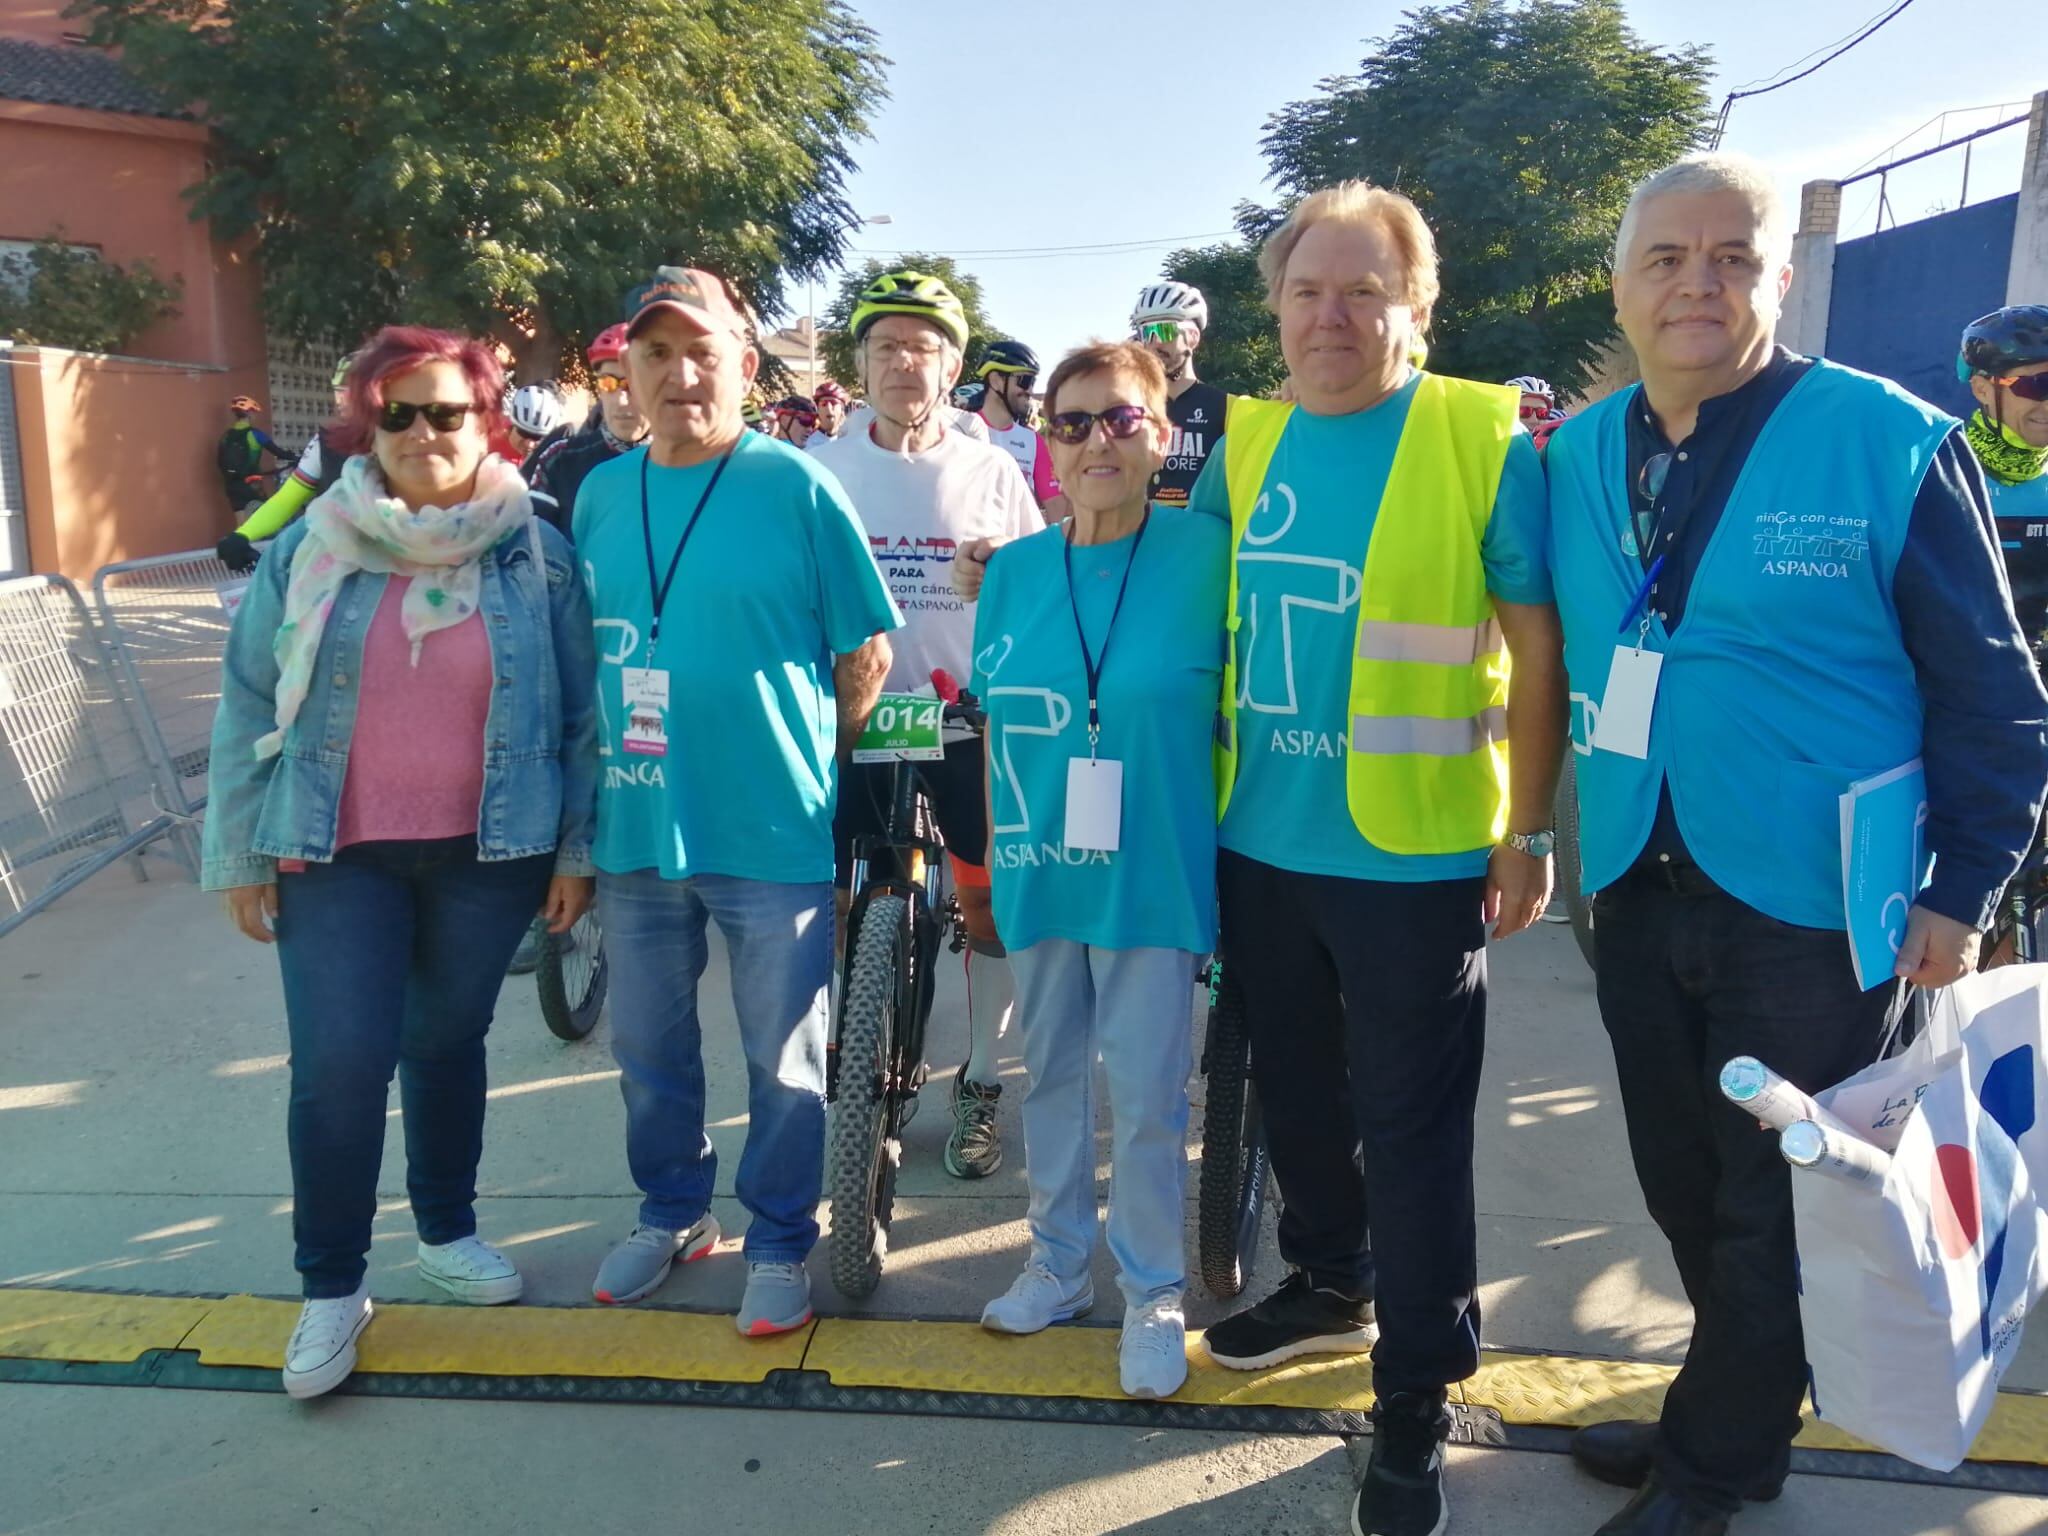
(1384, 788)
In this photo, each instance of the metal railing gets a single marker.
(77, 792)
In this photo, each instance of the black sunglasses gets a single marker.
(1075, 427)
(2029, 386)
(399, 415)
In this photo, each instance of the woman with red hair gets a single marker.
(404, 770)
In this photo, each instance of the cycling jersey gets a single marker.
(2022, 513)
(241, 450)
(316, 470)
(1197, 415)
(1028, 449)
(560, 467)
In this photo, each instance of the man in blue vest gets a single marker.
(1777, 576)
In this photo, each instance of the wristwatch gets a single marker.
(1538, 845)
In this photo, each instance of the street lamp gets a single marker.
(811, 308)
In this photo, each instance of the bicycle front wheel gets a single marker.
(862, 1150)
(1231, 1187)
(572, 977)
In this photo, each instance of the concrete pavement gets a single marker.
(142, 1082)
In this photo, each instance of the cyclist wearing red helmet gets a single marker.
(832, 401)
(556, 472)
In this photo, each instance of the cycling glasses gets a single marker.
(605, 384)
(1159, 330)
(1075, 427)
(2031, 386)
(399, 415)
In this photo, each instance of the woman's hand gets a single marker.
(568, 899)
(254, 909)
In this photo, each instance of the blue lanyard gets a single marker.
(1638, 605)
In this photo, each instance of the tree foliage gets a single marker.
(1519, 129)
(512, 168)
(1240, 351)
(835, 346)
(56, 295)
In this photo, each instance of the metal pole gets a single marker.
(1967, 148)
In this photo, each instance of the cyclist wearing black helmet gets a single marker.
(923, 487)
(2004, 360)
(1008, 373)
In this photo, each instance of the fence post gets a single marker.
(1804, 324)
(2027, 277)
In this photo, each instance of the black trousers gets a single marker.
(1688, 978)
(1366, 1005)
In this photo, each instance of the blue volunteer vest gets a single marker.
(1786, 678)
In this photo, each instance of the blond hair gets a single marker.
(1364, 206)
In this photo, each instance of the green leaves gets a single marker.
(58, 295)
(1519, 130)
(512, 168)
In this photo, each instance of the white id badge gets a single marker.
(1630, 700)
(646, 690)
(1095, 803)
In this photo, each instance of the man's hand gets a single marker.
(254, 909)
(970, 565)
(1938, 950)
(1517, 890)
(568, 899)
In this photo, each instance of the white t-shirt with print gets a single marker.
(918, 509)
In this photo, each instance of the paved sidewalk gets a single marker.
(142, 1086)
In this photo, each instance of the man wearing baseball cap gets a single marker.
(741, 635)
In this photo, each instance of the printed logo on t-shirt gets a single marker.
(914, 569)
(1315, 584)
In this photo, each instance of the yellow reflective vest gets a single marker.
(1426, 769)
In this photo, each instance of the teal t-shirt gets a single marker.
(776, 580)
(1160, 680)
(1298, 574)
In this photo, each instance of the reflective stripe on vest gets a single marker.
(1427, 768)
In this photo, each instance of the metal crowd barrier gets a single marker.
(77, 790)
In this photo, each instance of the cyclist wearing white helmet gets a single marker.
(536, 410)
(1539, 413)
(923, 488)
(1168, 321)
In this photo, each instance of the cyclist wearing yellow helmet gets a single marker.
(922, 486)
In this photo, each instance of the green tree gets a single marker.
(511, 168)
(1519, 129)
(57, 295)
(835, 346)
(1240, 351)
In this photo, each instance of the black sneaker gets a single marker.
(975, 1148)
(1297, 1319)
(1403, 1491)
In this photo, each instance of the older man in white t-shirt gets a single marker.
(923, 486)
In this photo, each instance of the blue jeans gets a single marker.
(392, 957)
(779, 938)
(1134, 1008)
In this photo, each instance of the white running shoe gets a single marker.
(322, 1351)
(1152, 1359)
(638, 1265)
(471, 1270)
(1036, 1300)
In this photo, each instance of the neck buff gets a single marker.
(2008, 459)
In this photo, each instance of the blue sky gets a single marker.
(1011, 128)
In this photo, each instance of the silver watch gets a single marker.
(1538, 845)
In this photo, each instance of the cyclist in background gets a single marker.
(537, 413)
(240, 454)
(319, 467)
(2004, 360)
(797, 419)
(832, 401)
(557, 470)
(1008, 374)
(1539, 414)
(1168, 321)
(922, 489)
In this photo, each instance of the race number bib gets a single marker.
(904, 727)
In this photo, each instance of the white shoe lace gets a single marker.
(1153, 1326)
(471, 1258)
(775, 1270)
(324, 1326)
(1036, 1283)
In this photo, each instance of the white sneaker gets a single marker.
(471, 1270)
(322, 1352)
(1153, 1357)
(1037, 1299)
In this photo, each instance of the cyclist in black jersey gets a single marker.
(1168, 322)
(557, 471)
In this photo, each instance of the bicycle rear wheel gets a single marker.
(1570, 871)
(572, 977)
(1231, 1185)
(862, 1148)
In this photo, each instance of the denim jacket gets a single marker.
(540, 737)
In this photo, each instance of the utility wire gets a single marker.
(1073, 250)
(1864, 33)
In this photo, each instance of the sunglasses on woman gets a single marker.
(399, 415)
(2031, 386)
(1075, 427)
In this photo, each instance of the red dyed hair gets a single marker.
(398, 349)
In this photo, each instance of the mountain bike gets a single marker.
(572, 977)
(899, 914)
(1236, 1174)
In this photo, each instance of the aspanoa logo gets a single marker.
(1973, 1188)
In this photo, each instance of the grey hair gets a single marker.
(1718, 173)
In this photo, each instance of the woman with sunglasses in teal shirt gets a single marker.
(1099, 659)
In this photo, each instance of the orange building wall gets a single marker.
(40, 21)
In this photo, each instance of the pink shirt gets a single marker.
(416, 761)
